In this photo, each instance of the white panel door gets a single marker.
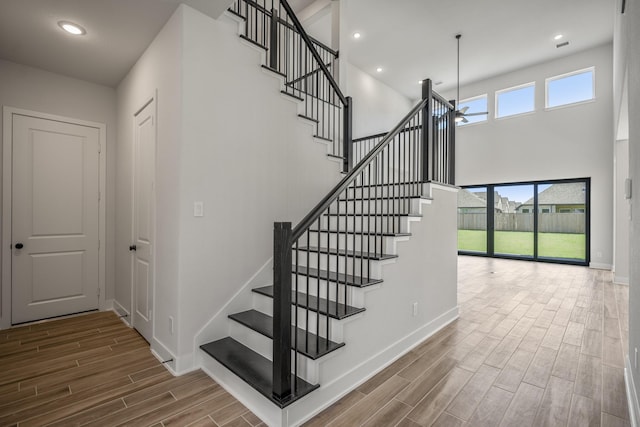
(144, 220)
(55, 222)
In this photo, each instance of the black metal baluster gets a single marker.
(295, 321)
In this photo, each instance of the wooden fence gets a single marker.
(570, 223)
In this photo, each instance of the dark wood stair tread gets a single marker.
(357, 233)
(384, 215)
(308, 344)
(254, 369)
(253, 42)
(332, 276)
(349, 253)
(381, 198)
(302, 116)
(320, 305)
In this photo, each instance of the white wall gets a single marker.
(157, 71)
(569, 142)
(377, 107)
(247, 156)
(627, 61)
(38, 90)
(226, 137)
(425, 273)
(622, 214)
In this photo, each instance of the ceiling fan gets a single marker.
(461, 114)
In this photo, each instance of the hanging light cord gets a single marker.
(458, 79)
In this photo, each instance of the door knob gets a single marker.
(19, 246)
(132, 248)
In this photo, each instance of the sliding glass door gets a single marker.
(513, 229)
(562, 221)
(540, 220)
(472, 220)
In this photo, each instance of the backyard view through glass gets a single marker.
(472, 220)
(561, 221)
(507, 220)
(513, 226)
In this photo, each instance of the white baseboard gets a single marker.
(329, 393)
(632, 397)
(108, 305)
(620, 280)
(122, 312)
(243, 392)
(600, 266)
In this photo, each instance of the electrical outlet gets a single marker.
(598, 254)
(171, 325)
(415, 308)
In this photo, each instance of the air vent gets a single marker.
(562, 44)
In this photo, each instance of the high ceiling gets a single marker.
(409, 39)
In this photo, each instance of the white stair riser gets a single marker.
(358, 242)
(265, 304)
(313, 286)
(397, 224)
(307, 368)
(347, 265)
(373, 206)
(383, 191)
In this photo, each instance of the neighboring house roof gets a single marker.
(572, 193)
(467, 199)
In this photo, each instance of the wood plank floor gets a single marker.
(94, 370)
(535, 345)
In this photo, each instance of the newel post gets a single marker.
(281, 310)
(273, 40)
(347, 137)
(427, 131)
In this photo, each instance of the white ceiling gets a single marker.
(410, 39)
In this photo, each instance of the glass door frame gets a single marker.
(490, 250)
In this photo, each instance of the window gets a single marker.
(477, 104)
(570, 88)
(515, 100)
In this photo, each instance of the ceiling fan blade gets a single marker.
(464, 120)
(484, 113)
(463, 110)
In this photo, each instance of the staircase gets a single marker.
(324, 265)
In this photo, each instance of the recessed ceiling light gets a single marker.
(357, 35)
(72, 28)
(419, 82)
(379, 69)
(558, 37)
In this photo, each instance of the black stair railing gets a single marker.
(333, 247)
(442, 140)
(308, 67)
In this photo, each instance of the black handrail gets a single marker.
(315, 213)
(314, 52)
(267, 12)
(306, 65)
(335, 244)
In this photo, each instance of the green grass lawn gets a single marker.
(551, 245)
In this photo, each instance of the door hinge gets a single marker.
(98, 292)
(98, 244)
(99, 148)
